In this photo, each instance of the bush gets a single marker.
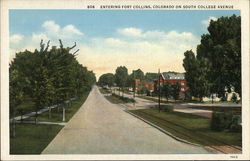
(125, 99)
(235, 127)
(221, 121)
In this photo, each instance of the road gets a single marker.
(100, 127)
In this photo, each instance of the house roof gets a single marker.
(173, 75)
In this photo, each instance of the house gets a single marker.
(139, 83)
(172, 78)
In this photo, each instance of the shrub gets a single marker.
(235, 126)
(221, 121)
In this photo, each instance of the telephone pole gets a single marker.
(159, 90)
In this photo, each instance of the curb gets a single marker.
(162, 130)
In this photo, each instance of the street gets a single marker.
(100, 127)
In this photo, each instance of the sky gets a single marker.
(138, 39)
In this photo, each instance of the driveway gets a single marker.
(100, 127)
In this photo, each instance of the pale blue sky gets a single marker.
(152, 38)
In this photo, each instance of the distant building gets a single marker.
(148, 85)
(172, 78)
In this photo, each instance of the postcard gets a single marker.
(124, 80)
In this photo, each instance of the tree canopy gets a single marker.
(218, 62)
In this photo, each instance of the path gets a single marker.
(100, 127)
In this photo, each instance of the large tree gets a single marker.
(222, 47)
(167, 90)
(197, 74)
(217, 65)
(106, 80)
(121, 75)
(45, 77)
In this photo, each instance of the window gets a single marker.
(182, 89)
(182, 83)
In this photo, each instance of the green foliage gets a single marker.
(221, 121)
(107, 79)
(218, 61)
(235, 127)
(167, 90)
(176, 90)
(141, 89)
(150, 77)
(121, 75)
(123, 99)
(46, 77)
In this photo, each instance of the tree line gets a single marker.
(216, 66)
(122, 79)
(46, 77)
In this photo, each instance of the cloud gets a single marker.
(131, 31)
(149, 50)
(207, 21)
(71, 29)
(16, 38)
(50, 30)
(132, 47)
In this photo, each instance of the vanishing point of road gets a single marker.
(100, 127)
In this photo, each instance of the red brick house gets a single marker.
(171, 78)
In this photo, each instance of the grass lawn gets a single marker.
(32, 139)
(190, 127)
(56, 113)
(104, 90)
(119, 99)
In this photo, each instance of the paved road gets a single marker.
(100, 127)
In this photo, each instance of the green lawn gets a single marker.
(119, 99)
(32, 139)
(189, 127)
(56, 113)
(104, 90)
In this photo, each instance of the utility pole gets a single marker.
(159, 90)
(134, 86)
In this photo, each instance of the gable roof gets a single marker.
(173, 75)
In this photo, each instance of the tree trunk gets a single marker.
(14, 128)
(36, 117)
(63, 114)
(49, 112)
(21, 116)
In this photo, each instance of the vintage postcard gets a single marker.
(133, 80)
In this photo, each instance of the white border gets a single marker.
(242, 5)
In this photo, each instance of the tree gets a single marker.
(167, 90)
(222, 47)
(151, 76)
(45, 77)
(176, 90)
(121, 75)
(106, 80)
(197, 74)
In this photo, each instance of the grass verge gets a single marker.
(119, 99)
(32, 139)
(190, 127)
(57, 113)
